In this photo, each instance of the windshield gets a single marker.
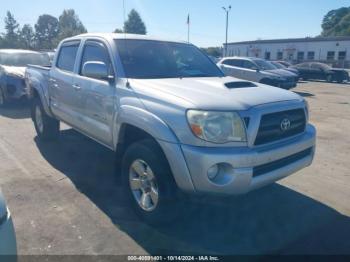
(264, 65)
(144, 59)
(278, 65)
(24, 59)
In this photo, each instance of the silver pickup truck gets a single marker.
(172, 117)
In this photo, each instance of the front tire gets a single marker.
(148, 182)
(46, 127)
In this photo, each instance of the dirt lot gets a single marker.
(65, 198)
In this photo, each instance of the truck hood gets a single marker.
(14, 71)
(215, 93)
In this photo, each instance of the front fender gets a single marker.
(146, 121)
(166, 138)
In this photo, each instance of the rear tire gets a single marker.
(46, 127)
(148, 182)
(2, 98)
(329, 78)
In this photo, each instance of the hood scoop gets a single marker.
(240, 84)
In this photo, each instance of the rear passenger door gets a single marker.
(232, 67)
(97, 95)
(61, 81)
(250, 71)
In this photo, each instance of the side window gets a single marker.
(249, 65)
(67, 56)
(95, 51)
(237, 63)
(227, 62)
(316, 66)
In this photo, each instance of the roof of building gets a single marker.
(294, 40)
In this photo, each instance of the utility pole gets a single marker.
(227, 11)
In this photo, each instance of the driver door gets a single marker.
(97, 95)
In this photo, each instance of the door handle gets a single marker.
(77, 87)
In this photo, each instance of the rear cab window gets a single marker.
(67, 56)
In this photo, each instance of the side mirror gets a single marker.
(256, 69)
(97, 70)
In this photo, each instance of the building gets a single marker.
(331, 50)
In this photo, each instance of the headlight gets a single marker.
(217, 127)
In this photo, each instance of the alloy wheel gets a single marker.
(143, 185)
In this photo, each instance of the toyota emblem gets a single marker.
(285, 125)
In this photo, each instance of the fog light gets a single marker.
(213, 172)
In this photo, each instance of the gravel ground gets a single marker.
(65, 197)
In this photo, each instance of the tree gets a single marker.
(27, 37)
(46, 32)
(118, 31)
(12, 28)
(213, 51)
(69, 25)
(337, 22)
(134, 24)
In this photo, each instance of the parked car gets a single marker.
(285, 63)
(257, 70)
(13, 63)
(172, 117)
(320, 71)
(8, 244)
(289, 69)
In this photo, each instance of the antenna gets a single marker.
(126, 46)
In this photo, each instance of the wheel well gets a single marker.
(128, 135)
(35, 93)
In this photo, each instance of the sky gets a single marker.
(248, 20)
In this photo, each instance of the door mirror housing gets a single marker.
(96, 70)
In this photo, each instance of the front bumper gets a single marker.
(8, 246)
(286, 84)
(240, 178)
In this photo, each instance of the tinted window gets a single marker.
(278, 65)
(24, 59)
(233, 62)
(320, 66)
(264, 65)
(67, 56)
(303, 65)
(96, 52)
(249, 65)
(147, 59)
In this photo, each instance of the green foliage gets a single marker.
(337, 22)
(46, 31)
(134, 24)
(11, 36)
(27, 37)
(69, 25)
(49, 31)
(118, 31)
(213, 51)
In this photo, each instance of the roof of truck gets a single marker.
(126, 36)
